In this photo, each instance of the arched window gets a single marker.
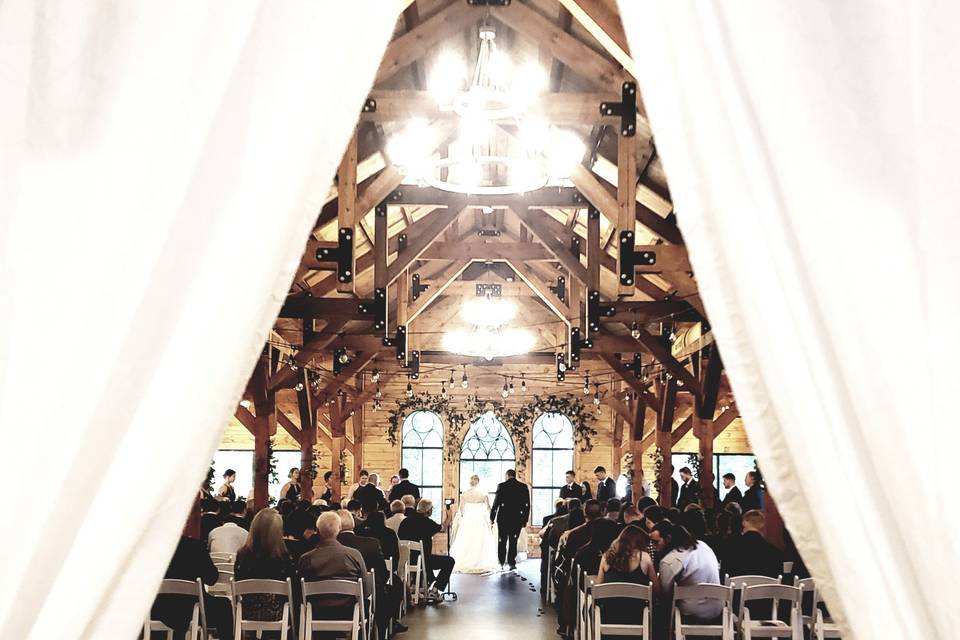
(552, 458)
(488, 452)
(421, 453)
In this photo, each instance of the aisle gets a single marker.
(497, 607)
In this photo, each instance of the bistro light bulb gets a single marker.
(506, 392)
(523, 385)
(635, 330)
(451, 377)
(378, 394)
(511, 388)
(299, 386)
(443, 390)
(409, 390)
(596, 397)
(463, 381)
(376, 375)
(344, 359)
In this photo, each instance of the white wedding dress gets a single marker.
(474, 545)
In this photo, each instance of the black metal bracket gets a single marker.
(338, 355)
(370, 105)
(415, 287)
(635, 365)
(488, 3)
(561, 367)
(401, 243)
(342, 256)
(489, 233)
(560, 289)
(576, 344)
(399, 341)
(595, 311)
(414, 365)
(630, 259)
(626, 109)
(575, 246)
(377, 308)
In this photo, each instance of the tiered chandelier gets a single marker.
(501, 148)
(489, 336)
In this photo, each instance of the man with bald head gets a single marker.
(331, 560)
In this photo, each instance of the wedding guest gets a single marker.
(238, 514)
(227, 538)
(571, 489)
(652, 516)
(210, 516)
(327, 494)
(689, 490)
(376, 527)
(695, 523)
(396, 515)
(264, 556)
(644, 486)
(226, 491)
(409, 505)
(404, 487)
(587, 492)
(560, 524)
(753, 498)
(644, 503)
(606, 487)
(750, 553)
(626, 560)
(631, 515)
(733, 491)
(355, 507)
(420, 528)
(686, 561)
(331, 560)
(612, 509)
(375, 481)
(394, 481)
(674, 488)
(291, 490)
(559, 508)
(191, 561)
(589, 555)
(366, 490)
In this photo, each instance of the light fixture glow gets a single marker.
(488, 312)
(488, 342)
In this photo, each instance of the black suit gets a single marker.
(373, 558)
(606, 489)
(675, 489)
(404, 488)
(571, 491)
(751, 555)
(733, 495)
(368, 495)
(689, 494)
(191, 561)
(510, 509)
(752, 499)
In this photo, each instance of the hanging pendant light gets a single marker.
(451, 378)
(443, 390)
(376, 375)
(586, 384)
(409, 390)
(635, 330)
(506, 392)
(378, 394)
(523, 383)
(511, 386)
(596, 395)
(463, 381)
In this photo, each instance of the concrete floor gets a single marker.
(495, 607)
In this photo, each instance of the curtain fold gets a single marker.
(809, 153)
(163, 164)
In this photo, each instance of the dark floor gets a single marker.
(496, 607)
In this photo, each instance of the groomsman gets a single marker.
(571, 489)
(689, 491)
(404, 487)
(510, 510)
(753, 498)
(733, 491)
(606, 487)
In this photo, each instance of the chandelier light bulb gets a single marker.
(486, 210)
(635, 330)
(446, 78)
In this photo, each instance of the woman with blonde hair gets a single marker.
(264, 556)
(474, 546)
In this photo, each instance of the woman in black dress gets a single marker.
(626, 561)
(264, 556)
(291, 490)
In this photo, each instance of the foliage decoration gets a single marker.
(443, 407)
(657, 457)
(208, 483)
(693, 461)
(272, 475)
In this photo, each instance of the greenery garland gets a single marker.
(693, 461)
(517, 421)
(272, 476)
(657, 457)
(208, 484)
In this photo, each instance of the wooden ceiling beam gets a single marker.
(437, 287)
(499, 251)
(360, 360)
(662, 354)
(545, 197)
(630, 379)
(602, 20)
(289, 427)
(532, 220)
(429, 230)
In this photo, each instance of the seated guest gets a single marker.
(331, 560)
(355, 507)
(575, 538)
(409, 505)
(299, 533)
(686, 561)
(750, 554)
(420, 528)
(327, 494)
(227, 538)
(695, 523)
(404, 488)
(571, 489)
(561, 524)
(387, 595)
(631, 515)
(191, 561)
(264, 556)
(210, 517)
(589, 555)
(626, 561)
(651, 517)
(238, 514)
(559, 508)
(396, 515)
(612, 509)
(376, 527)
(644, 503)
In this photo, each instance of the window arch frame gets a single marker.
(502, 435)
(431, 490)
(558, 482)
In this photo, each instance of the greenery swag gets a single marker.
(517, 420)
(657, 457)
(693, 461)
(208, 484)
(271, 469)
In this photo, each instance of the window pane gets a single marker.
(543, 500)
(239, 461)
(412, 459)
(432, 467)
(435, 494)
(562, 462)
(286, 460)
(543, 469)
(422, 454)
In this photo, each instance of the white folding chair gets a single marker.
(198, 621)
(584, 587)
(417, 569)
(739, 583)
(724, 630)
(221, 557)
(808, 601)
(225, 574)
(823, 627)
(601, 592)
(351, 626)
(241, 588)
(772, 627)
(551, 557)
(370, 594)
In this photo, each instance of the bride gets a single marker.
(474, 546)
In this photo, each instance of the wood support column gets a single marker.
(626, 198)
(338, 437)
(774, 522)
(636, 445)
(704, 432)
(265, 427)
(357, 420)
(308, 429)
(347, 205)
(668, 402)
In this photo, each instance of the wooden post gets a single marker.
(594, 256)
(636, 446)
(668, 402)
(626, 197)
(347, 213)
(358, 432)
(703, 430)
(266, 427)
(338, 436)
(774, 523)
(308, 428)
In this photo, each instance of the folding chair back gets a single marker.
(723, 593)
(352, 625)
(198, 620)
(225, 575)
(822, 626)
(739, 583)
(772, 627)
(241, 588)
(415, 568)
(370, 595)
(585, 583)
(601, 592)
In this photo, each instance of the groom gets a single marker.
(510, 510)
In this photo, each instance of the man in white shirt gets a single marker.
(396, 508)
(227, 538)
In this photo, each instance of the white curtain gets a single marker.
(811, 153)
(162, 164)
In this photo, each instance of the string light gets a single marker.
(451, 378)
(635, 330)
(343, 359)
(506, 392)
(596, 395)
(409, 390)
(511, 386)
(443, 390)
(299, 386)
(376, 375)
(463, 381)
(293, 366)
(523, 383)
(586, 384)
(378, 394)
